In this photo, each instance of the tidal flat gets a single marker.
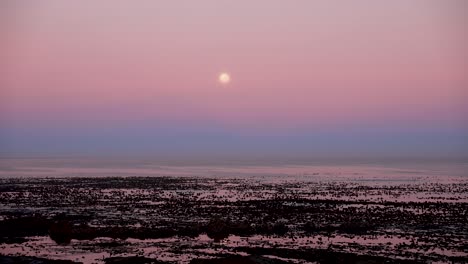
(232, 220)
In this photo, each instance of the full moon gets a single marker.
(224, 78)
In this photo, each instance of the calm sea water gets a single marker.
(324, 170)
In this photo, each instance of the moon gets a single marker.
(224, 78)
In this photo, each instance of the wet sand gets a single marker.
(233, 220)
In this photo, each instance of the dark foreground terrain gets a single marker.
(216, 220)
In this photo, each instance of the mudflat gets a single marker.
(231, 220)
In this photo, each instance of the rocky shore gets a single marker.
(212, 220)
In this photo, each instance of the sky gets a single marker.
(308, 78)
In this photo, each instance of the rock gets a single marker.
(238, 260)
(217, 229)
(61, 232)
(131, 260)
(31, 260)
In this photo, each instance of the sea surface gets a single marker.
(375, 171)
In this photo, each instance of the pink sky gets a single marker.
(295, 65)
